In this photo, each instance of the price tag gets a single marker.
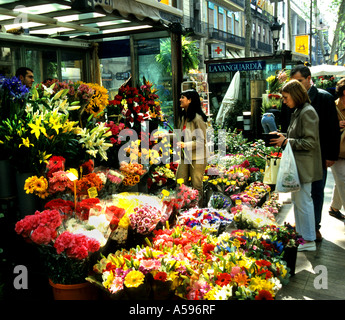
(92, 192)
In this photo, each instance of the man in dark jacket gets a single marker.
(323, 102)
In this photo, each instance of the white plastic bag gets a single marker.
(287, 178)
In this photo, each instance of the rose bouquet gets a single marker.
(112, 181)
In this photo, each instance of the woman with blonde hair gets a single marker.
(303, 136)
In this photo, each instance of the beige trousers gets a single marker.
(196, 172)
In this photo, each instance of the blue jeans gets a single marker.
(317, 194)
(304, 212)
(268, 122)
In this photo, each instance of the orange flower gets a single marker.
(241, 279)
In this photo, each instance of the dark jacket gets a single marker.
(324, 104)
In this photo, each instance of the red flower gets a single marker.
(264, 295)
(65, 206)
(114, 214)
(88, 167)
(263, 263)
(207, 249)
(161, 276)
(76, 245)
(223, 279)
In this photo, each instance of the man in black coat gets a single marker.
(324, 104)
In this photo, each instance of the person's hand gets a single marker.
(329, 163)
(342, 124)
(278, 141)
(180, 144)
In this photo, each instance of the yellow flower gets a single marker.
(124, 222)
(36, 127)
(108, 278)
(270, 79)
(38, 186)
(256, 283)
(134, 279)
(43, 157)
(26, 143)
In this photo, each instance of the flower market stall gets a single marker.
(111, 215)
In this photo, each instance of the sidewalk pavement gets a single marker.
(320, 275)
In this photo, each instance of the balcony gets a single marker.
(226, 37)
(261, 46)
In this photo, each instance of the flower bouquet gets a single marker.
(112, 181)
(275, 82)
(13, 95)
(219, 201)
(326, 82)
(183, 198)
(271, 101)
(161, 176)
(290, 239)
(204, 218)
(254, 194)
(286, 234)
(249, 218)
(65, 255)
(139, 273)
(273, 204)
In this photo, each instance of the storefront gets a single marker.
(253, 74)
(106, 42)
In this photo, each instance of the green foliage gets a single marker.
(189, 55)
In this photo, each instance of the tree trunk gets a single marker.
(289, 26)
(338, 43)
(248, 28)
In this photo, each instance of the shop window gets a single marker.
(115, 72)
(72, 66)
(9, 59)
(156, 72)
(43, 63)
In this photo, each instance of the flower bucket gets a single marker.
(290, 256)
(7, 179)
(27, 203)
(79, 291)
(162, 290)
